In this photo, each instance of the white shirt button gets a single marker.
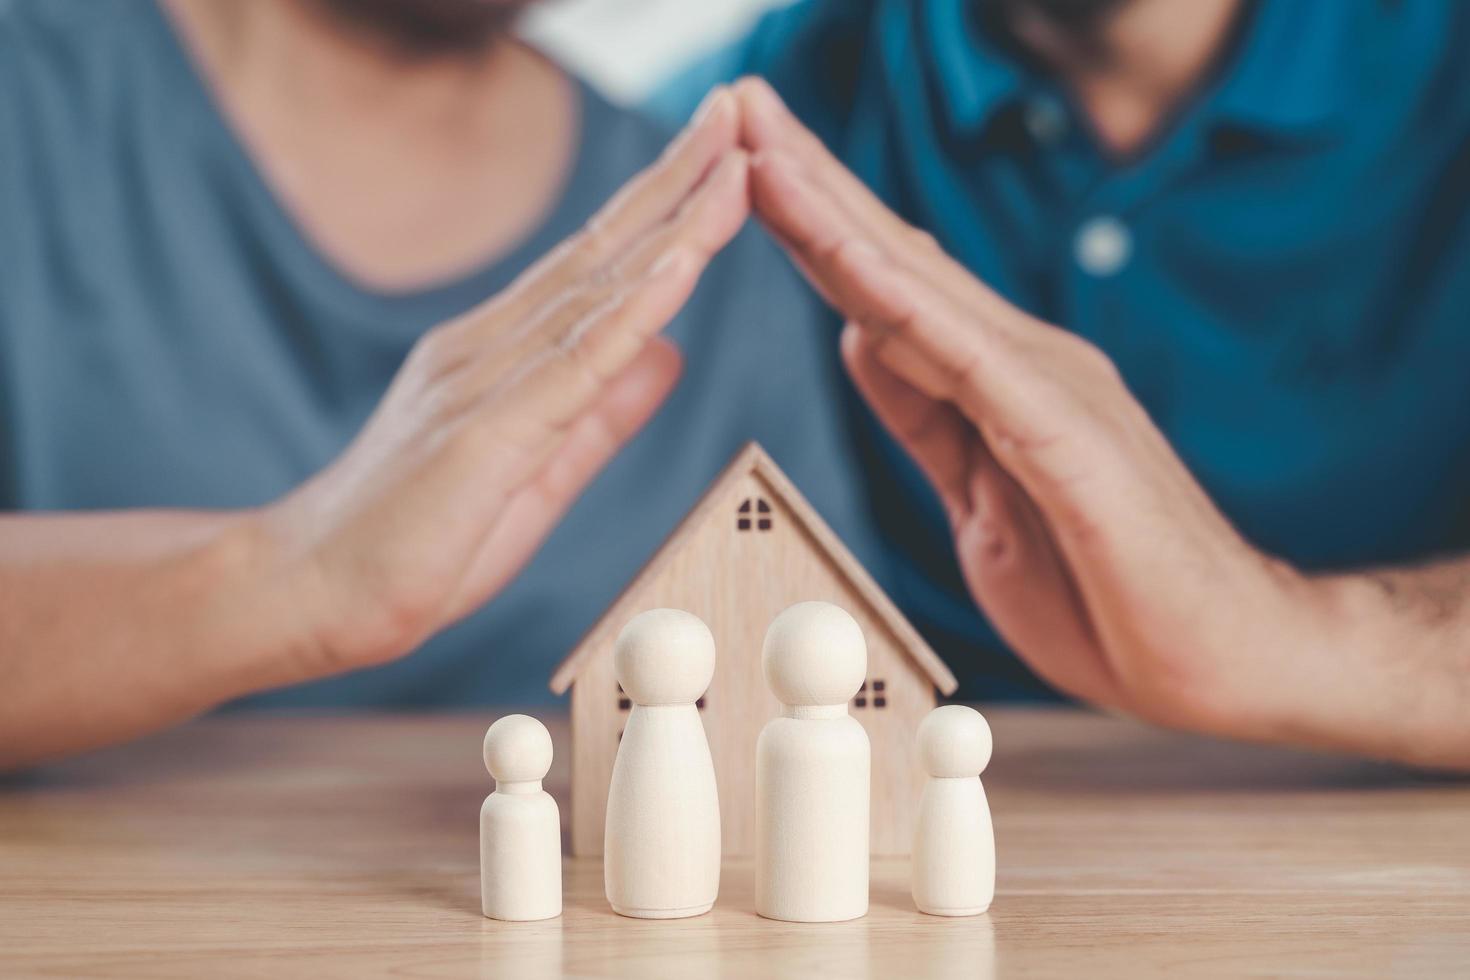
(1103, 246)
(1045, 120)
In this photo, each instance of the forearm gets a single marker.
(115, 624)
(1398, 661)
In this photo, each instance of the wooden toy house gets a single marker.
(750, 547)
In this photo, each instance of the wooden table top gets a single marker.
(251, 845)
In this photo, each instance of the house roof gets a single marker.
(752, 458)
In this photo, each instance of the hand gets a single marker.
(499, 418)
(1078, 529)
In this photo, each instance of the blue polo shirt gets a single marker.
(1282, 275)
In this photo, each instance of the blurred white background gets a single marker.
(625, 47)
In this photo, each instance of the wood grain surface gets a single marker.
(271, 846)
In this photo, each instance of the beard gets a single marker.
(1079, 22)
(428, 28)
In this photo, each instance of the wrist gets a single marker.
(1390, 682)
(259, 608)
(339, 603)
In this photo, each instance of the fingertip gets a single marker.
(716, 103)
(635, 393)
(752, 85)
(754, 92)
(712, 129)
(874, 281)
(858, 361)
(875, 382)
(853, 344)
(762, 112)
(665, 357)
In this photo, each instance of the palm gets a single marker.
(534, 509)
(501, 416)
(1005, 549)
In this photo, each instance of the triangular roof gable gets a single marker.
(752, 458)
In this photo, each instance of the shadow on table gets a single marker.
(1171, 762)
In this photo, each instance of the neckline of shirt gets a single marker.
(303, 260)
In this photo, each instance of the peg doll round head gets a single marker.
(517, 749)
(664, 656)
(954, 741)
(814, 654)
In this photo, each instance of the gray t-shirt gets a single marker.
(168, 338)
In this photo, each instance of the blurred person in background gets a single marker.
(225, 229)
(1162, 311)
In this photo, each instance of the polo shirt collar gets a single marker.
(1290, 75)
(974, 78)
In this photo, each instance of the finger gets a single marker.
(778, 139)
(1023, 394)
(804, 216)
(646, 200)
(998, 380)
(627, 403)
(537, 506)
(932, 431)
(803, 213)
(1013, 567)
(866, 288)
(553, 389)
(824, 239)
(1040, 428)
(706, 221)
(768, 127)
(806, 222)
(510, 430)
(1011, 564)
(1051, 407)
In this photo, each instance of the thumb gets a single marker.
(1018, 576)
(624, 407)
(933, 432)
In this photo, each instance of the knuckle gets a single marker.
(922, 241)
(962, 377)
(600, 280)
(969, 368)
(435, 352)
(575, 365)
(828, 249)
(590, 246)
(443, 390)
(907, 318)
(424, 408)
(406, 617)
(1091, 359)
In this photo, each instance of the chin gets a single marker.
(430, 27)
